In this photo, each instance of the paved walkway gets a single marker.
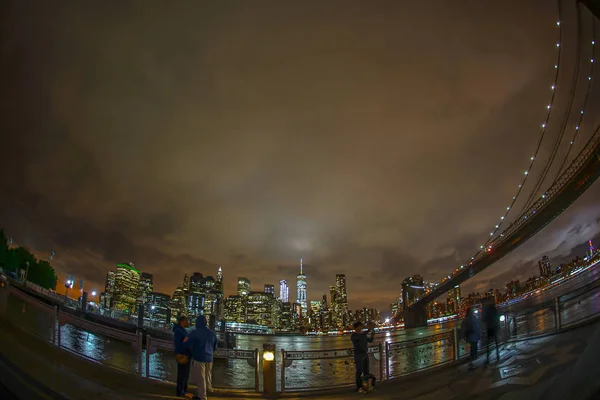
(527, 370)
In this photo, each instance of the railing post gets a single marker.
(387, 360)
(148, 344)
(58, 327)
(456, 343)
(380, 362)
(54, 325)
(282, 371)
(557, 320)
(140, 344)
(256, 371)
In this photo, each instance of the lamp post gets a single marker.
(68, 285)
(269, 368)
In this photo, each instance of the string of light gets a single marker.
(563, 128)
(533, 158)
(579, 124)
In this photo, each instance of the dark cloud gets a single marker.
(377, 140)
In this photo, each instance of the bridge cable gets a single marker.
(540, 140)
(573, 92)
(585, 101)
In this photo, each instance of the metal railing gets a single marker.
(238, 367)
(321, 364)
(125, 351)
(303, 369)
(409, 356)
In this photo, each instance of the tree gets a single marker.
(43, 274)
(39, 272)
(3, 248)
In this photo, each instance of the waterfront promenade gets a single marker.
(528, 369)
(68, 354)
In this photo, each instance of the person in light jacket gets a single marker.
(202, 342)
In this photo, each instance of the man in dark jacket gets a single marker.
(203, 343)
(181, 353)
(360, 341)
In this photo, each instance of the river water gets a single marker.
(300, 374)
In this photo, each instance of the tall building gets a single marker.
(454, 296)
(127, 280)
(333, 301)
(186, 284)
(301, 293)
(270, 289)
(413, 289)
(287, 318)
(284, 291)
(158, 304)
(109, 288)
(243, 288)
(259, 308)
(178, 302)
(219, 281)
(545, 267)
(235, 309)
(146, 286)
(195, 305)
(591, 250)
(196, 283)
(342, 299)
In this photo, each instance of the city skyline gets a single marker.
(355, 156)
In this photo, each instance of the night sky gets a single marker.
(377, 139)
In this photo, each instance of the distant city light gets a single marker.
(502, 318)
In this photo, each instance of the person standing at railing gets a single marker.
(360, 342)
(203, 343)
(492, 323)
(182, 354)
(471, 331)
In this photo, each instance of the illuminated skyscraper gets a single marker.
(146, 286)
(158, 303)
(127, 280)
(259, 308)
(109, 289)
(243, 288)
(301, 293)
(178, 302)
(270, 289)
(284, 291)
(545, 267)
(342, 299)
(186, 284)
(219, 282)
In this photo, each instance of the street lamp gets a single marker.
(68, 285)
(94, 293)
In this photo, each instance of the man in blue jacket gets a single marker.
(182, 355)
(203, 343)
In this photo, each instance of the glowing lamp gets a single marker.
(268, 356)
(502, 318)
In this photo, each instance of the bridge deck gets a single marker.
(568, 188)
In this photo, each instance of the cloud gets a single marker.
(379, 142)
